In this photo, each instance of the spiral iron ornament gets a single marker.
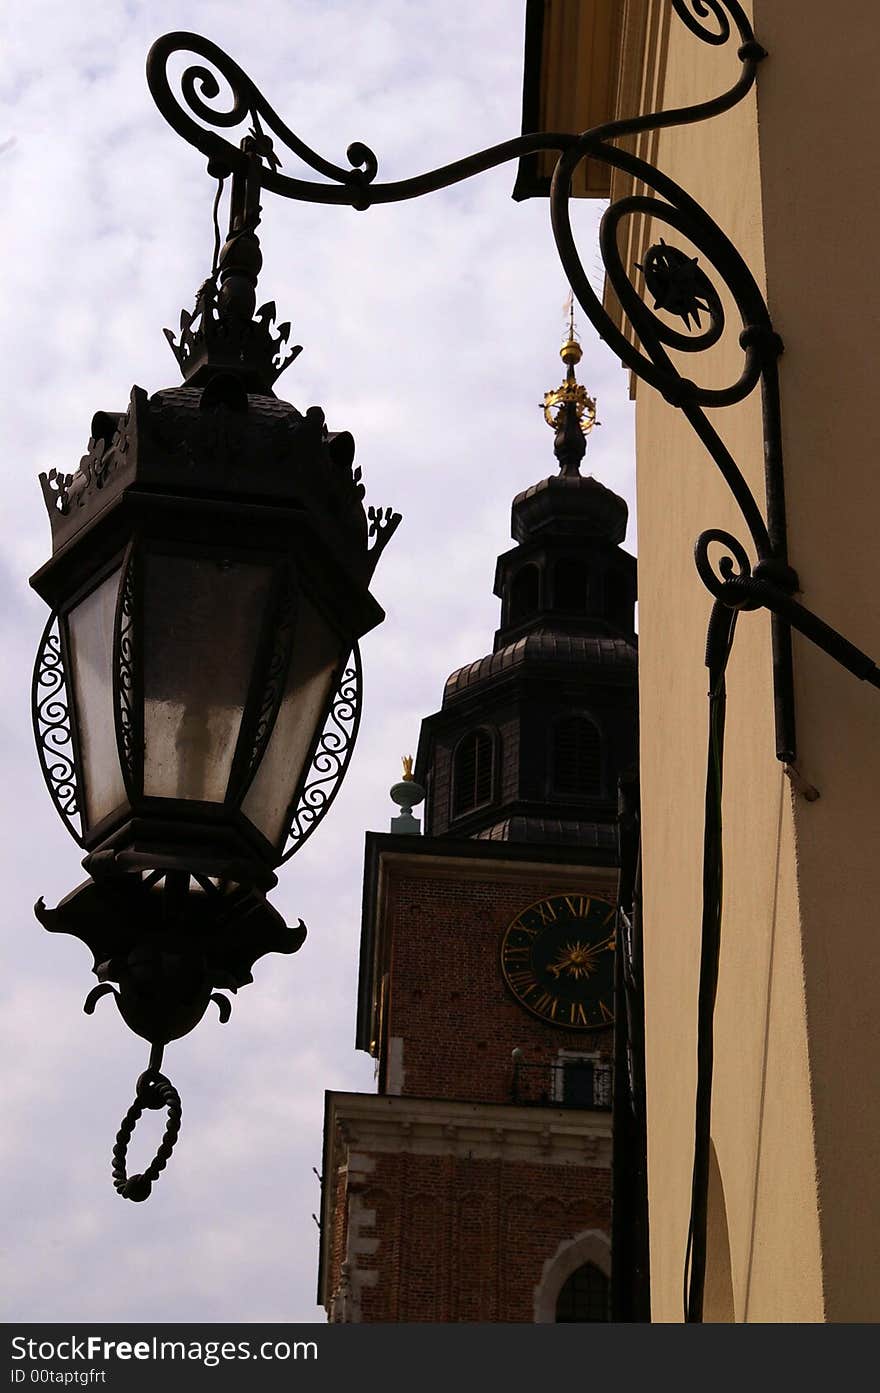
(53, 729)
(330, 756)
(734, 568)
(354, 186)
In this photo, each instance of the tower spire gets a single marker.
(569, 408)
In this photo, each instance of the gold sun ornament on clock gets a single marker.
(577, 959)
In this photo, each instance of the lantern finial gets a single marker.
(226, 334)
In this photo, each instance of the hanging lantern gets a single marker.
(197, 687)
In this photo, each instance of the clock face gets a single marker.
(557, 957)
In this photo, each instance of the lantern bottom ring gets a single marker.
(154, 1090)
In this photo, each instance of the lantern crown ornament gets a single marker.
(226, 333)
(197, 689)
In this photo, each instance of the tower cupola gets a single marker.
(567, 570)
(530, 739)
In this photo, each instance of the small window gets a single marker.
(524, 593)
(570, 584)
(584, 1296)
(577, 758)
(472, 772)
(582, 1081)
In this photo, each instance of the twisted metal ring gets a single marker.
(153, 1091)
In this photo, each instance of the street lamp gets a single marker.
(211, 562)
(196, 693)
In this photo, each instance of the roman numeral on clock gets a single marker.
(546, 912)
(517, 953)
(523, 981)
(520, 927)
(578, 904)
(546, 1004)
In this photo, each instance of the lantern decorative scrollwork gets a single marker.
(330, 757)
(53, 731)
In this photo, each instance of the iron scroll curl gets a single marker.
(330, 756)
(683, 287)
(53, 726)
(199, 87)
(354, 186)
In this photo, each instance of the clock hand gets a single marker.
(610, 943)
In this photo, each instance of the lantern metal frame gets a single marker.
(55, 726)
(269, 671)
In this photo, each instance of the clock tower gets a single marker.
(475, 1185)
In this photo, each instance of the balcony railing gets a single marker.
(566, 1083)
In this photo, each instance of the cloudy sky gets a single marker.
(430, 331)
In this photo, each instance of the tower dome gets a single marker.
(530, 739)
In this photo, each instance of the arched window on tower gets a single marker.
(472, 772)
(576, 762)
(523, 593)
(570, 584)
(584, 1296)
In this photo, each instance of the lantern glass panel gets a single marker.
(317, 650)
(202, 619)
(90, 634)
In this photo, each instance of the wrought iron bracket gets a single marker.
(681, 288)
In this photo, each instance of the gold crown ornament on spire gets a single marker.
(570, 392)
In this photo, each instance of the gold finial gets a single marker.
(407, 767)
(571, 351)
(570, 391)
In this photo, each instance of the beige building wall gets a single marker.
(791, 175)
